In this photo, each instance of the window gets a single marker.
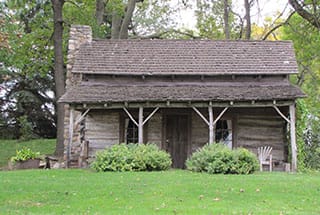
(131, 131)
(224, 132)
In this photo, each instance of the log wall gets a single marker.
(258, 130)
(252, 128)
(154, 130)
(102, 130)
(199, 130)
(125, 80)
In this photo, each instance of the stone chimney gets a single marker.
(79, 34)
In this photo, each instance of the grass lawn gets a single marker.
(171, 192)
(8, 148)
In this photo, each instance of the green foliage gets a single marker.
(308, 138)
(306, 39)
(210, 22)
(246, 161)
(25, 154)
(131, 157)
(302, 121)
(26, 73)
(155, 17)
(26, 130)
(218, 158)
(83, 13)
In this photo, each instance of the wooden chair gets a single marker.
(265, 157)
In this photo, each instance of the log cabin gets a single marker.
(180, 95)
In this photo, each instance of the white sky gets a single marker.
(267, 8)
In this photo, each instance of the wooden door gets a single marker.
(177, 133)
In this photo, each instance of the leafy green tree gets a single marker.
(26, 68)
(218, 20)
(309, 10)
(306, 39)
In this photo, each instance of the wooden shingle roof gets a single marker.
(87, 93)
(185, 57)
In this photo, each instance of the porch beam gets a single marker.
(151, 114)
(165, 104)
(281, 114)
(71, 125)
(140, 125)
(220, 115)
(200, 114)
(211, 127)
(292, 111)
(130, 116)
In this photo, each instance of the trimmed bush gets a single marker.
(246, 161)
(218, 158)
(131, 157)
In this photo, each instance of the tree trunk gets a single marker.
(127, 18)
(100, 5)
(313, 19)
(59, 76)
(248, 20)
(226, 19)
(116, 25)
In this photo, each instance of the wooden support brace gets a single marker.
(151, 114)
(220, 115)
(130, 116)
(281, 114)
(82, 117)
(209, 123)
(200, 114)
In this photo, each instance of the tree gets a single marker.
(59, 74)
(306, 39)
(247, 6)
(137, 18)
(308, 10)
(25, 70)
(214, 20)
(226, 14)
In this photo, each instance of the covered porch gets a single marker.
(182, 127)
(181, 118)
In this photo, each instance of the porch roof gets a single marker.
(95, 94)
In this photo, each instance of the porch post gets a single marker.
(211, 133)
(292, 111)
(71, 125)
(140, 125)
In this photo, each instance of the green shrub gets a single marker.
(131, 157)
(24, 154)
(246, 161)
(218, 158)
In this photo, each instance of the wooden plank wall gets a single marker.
(199, 130)
(155, 129)
(102, 130)
(261, 130)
